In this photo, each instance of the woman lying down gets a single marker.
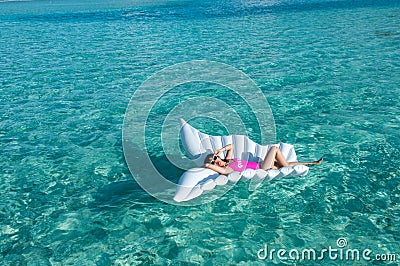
(273, 160)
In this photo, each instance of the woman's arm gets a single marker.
(218, 169)
(228, 148)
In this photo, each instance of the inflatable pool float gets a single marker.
(198, 144)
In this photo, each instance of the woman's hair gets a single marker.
(208, 158)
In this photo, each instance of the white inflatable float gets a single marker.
(197, 145)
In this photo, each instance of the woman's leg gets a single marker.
(275, 154)
(269, 159)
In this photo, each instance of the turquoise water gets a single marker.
(329, 69)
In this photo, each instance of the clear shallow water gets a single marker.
(329, 71)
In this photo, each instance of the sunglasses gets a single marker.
(215, 157)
